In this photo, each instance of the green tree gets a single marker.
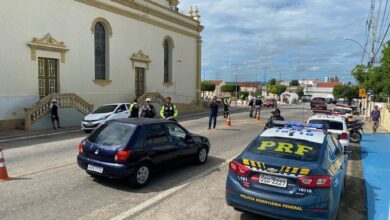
(294, 83)
(230, 88)
(300, 92)
(346, 92)
(272, 82)
(280, 89)
(206, 86)
(243, 95)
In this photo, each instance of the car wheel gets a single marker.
(141, 175)
(201, 156)
(355, 137)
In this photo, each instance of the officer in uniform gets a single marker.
(275, 116)
(134, 109)
(258, 104)
(226, 103)
(148, 109)
(169, 110)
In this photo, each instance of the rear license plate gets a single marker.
(95, 169)
(273, 180)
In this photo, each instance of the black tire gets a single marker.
(202, 155)
(141, 175)
(355, 137)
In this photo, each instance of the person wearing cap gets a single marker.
(375, 117)
(54, 114)
(258, 104)
(134, 109)
(275, 116)
(168, 110)
(226, 103)
(148, 109)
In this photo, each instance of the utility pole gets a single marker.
(372, 54)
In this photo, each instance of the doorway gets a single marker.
(47, 76)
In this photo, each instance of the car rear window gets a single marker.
(112, 134)
(286, 148)
(346, 111)
(333, 125)
(105, 109)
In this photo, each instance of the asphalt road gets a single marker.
(47, 183)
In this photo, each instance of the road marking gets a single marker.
(45, 169)
(167, 193)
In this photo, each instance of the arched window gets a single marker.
(100, 51)
(168, 46)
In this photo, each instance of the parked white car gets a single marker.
(104, 113)
(336, 125)
(344, 111)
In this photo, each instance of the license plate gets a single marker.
(95, 169)
(273, 180)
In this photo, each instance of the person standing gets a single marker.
(275, 116)
(226, 104)
(251, 107)
(375, 118)
(134, 109)
(168, 110)
(148, 110)
(213, 112)
(258, 104)
(54, 114)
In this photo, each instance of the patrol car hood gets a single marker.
(96, 116)
(279, 165)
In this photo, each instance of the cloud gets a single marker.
(299, 35)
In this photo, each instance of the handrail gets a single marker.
(42, 107)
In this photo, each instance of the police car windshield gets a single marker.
(333, 125)
(286, 148)
(112, 134)
(105, 109)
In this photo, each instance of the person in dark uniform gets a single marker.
(168, 110)
(134, 109)
(213, 112)
(148, 109)
(251, 107)
(54, 114)
(275, 116)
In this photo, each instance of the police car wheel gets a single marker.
(201, 156)
(141, 175)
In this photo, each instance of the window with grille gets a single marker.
(100, 51)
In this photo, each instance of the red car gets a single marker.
(270, 103)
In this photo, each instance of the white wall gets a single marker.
(70, 21)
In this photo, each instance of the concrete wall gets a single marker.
(385, 118)
(68, 118)
(70, 21)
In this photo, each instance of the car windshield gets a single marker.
(342, 110)
(333, 125)
(286, 148)
(319, 99)
(112, 134)
(105, 109)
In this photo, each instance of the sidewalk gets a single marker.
(375, 154)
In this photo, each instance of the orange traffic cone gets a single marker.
(258, 116)
(228, 122)
(3, 168)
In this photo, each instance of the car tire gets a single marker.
(201, 156)
(355, 137)
(141, 175)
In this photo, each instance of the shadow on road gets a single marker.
(165, 177)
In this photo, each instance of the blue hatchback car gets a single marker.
(132, 148)
(289, 172)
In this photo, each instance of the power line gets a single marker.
(383, 19)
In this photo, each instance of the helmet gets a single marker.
(148, 100)
(276, 111)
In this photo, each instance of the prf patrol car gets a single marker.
(291, 171)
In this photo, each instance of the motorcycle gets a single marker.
(355, 129)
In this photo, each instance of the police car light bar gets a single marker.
(278, 123)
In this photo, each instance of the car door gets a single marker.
(121, 112)
(178, 136)
(157, 143)
(338, 166)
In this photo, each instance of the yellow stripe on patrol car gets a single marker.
(281, 169)
(264, 166)
(287, 170)
(259, 165)
(304, 171)
(245, 161)
(253, 163)
(294, 170)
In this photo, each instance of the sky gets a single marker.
(287, 39)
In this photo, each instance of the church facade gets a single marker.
(105, 51)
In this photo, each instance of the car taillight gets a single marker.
(315, 181)
(344, 136)
(122, 155)
(81, 148)
(238, 168)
